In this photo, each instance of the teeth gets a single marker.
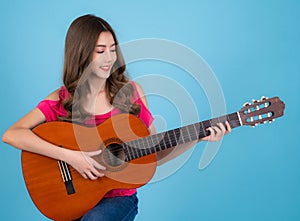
(105, 67)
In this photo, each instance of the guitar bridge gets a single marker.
(66, 176)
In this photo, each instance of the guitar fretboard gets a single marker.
(162, 141)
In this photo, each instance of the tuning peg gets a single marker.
(254, 125)
(247, 104)
(255, 101)
(263, 98)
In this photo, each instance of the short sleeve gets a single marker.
(52, 109)
(145, 115)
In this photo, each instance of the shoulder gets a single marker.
(53, 95)
(58, 94)
(140, 92)
(138, 88)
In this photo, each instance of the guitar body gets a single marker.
(44, 177)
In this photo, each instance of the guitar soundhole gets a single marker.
(114, 155)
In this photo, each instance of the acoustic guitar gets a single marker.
(128, 153)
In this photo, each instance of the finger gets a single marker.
(222, 127)
(212, 134)
(212, 131)
(84, 175)
(96, 173)
(90, 175)
(218, 131)
(97, 165)
(228, 127)
(217, 135)
(93, 153)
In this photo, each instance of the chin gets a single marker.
(103, 75)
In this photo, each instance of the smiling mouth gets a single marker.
(105, 68)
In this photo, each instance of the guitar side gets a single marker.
(44, 178)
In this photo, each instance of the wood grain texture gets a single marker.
(44, 180)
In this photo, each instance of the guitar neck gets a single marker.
(162, 141)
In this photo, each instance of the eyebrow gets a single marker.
(105, 45)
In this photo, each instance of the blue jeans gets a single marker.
(122, 208)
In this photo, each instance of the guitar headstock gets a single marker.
(261, 111)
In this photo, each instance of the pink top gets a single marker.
(54, 108)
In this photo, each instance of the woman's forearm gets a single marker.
(25, 139)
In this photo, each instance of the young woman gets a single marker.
(94, 88)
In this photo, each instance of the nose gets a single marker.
(108, 57)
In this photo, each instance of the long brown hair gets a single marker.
(80, 44)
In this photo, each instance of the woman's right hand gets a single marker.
(85, 164)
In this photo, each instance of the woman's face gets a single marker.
(104, 55)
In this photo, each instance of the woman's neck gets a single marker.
(97, 85)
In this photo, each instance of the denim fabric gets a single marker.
(123, 208)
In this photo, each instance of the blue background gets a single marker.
(253, 48)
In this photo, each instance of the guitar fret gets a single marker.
(142, 148)
(192, 134)
(158, 139)
(181, 136)
(203, 129)
(169, 139)
(163, 142)
(210, 123)
(154, 143)
(148, 148)
(196, 131)
(188, 134)
(152, 149)
(135, 151)
(127, 152)
(174, 138)
(132, 151)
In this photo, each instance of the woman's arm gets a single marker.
(216, 133)
(20, 135)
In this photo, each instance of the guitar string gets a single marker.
(145, 140)
(134, 151)
(132, 154)
(142, 150)
(142, 145)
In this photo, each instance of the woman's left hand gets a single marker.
(217, 132)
